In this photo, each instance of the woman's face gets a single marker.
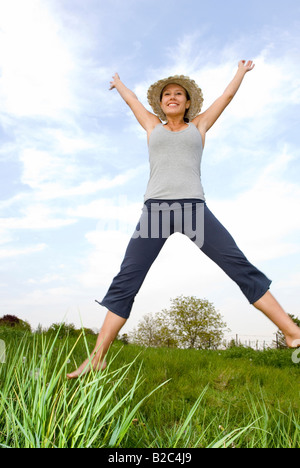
(174, 100)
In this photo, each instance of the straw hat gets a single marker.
(196, 96)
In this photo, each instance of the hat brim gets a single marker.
(195, 93)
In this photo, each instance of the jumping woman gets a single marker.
(176, 134)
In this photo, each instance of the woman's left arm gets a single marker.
(206, 120)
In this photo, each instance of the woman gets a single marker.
(174, 187)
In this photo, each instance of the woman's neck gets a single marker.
(176, 125)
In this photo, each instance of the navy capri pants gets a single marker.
(159, 220)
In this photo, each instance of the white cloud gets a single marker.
(36, 216)
(5, 237)
(262, 216)
(35, 62)
(270, 88)
(110, 209)
(108, 248)
(14, 252)
(50, 278)
(40, 167)
(52, 176)
(274, 83)
(67, 142)
(292, 281)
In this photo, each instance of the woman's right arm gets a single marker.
(147, 120)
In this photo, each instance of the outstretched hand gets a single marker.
(114, 81)
(246, 67)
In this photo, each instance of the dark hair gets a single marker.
(185, 118)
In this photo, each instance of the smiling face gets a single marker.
(174, 100)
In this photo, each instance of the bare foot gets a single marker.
(89, 364)
(293, 340)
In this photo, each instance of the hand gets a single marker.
(246, 67)
(113, 83)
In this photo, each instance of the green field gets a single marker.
(153, 398)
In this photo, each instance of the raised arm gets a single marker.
(206, 120)
(147, 120)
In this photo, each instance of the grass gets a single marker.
(156, 398)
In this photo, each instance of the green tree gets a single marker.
(147, 332)
(194, 323)
(165, 335)
(124, 338)
(189, 323)
(62, 329)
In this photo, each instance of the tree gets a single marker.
(124, 338)
(189, 323)
(146, 333)
(62, 329)
(194, 322)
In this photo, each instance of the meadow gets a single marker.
(146, 397)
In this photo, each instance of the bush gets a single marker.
(64, 330)
(11, 321)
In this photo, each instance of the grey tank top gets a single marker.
(175, 164)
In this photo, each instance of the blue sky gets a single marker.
(74, 163)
